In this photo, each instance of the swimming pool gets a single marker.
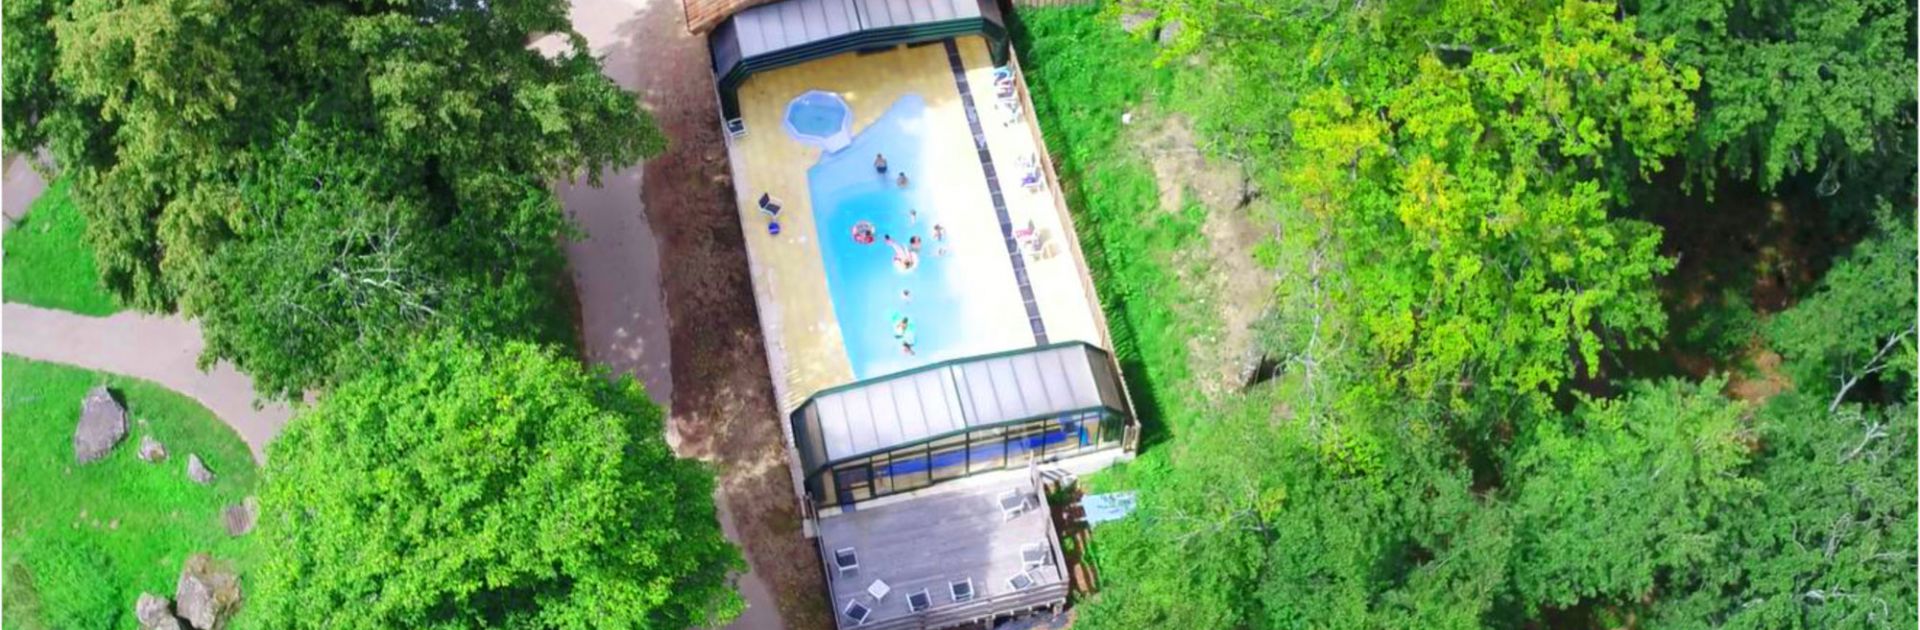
(941, 298)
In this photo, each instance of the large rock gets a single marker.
(239, 519)
(208, 592)
(155, 613)
(1170, 32)
(197, 470)
(103, 423)
(151, 450)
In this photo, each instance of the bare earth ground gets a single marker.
(1235, 287)
(722, 396)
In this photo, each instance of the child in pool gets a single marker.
(901, 180)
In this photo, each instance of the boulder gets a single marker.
(208, 592)
(155, 613)
(197, 470)
(1170, 32)
(151, 450)
(239, 518)
(103, 423)
(1132, 22)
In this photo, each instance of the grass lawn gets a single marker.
(48, 262)
(82, 542)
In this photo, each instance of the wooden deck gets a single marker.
(929, 540)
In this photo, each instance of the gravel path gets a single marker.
(158, 349)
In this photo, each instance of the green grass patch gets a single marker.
(82, 542)
(48, 261)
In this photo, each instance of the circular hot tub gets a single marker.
(820, 119)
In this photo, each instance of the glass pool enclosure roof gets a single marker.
(937, 400)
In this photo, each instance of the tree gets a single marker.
(1858, 326)
(1792, 88)
(336, 256)
(1830, 543)
(189, 129)
(465, 486)
(1625, 491)
(1260, 522)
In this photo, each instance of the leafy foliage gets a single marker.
(1464, 158)
(471, 486)
(337, 257)
(189, 130)
(1859, 323)
(1830, 543)
(1448, 185)
(1627, 491)
(1793, 88)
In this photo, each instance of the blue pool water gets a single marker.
(819, 118)
(864, 282)
(816, 118)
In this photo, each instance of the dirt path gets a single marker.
(706, 359)
(616, 267)
(158, 349)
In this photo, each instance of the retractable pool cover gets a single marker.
(788, 32)
(941, 399)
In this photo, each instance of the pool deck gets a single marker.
(804, 341)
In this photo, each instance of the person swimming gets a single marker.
(913, 244)
(880, 163)
(901, 180)
(904, 258)
(902, 331)
(939, 232)
(863, 233)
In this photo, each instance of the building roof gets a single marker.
(763, 36)
(703, 15)
(940, 399)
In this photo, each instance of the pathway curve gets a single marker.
(158, 349)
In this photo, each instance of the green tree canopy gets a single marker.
(1830, 541)
(1857, 328)
(1792, 87)
(460, 486)
(1625, 491)
(189, 129)
(1466, 156)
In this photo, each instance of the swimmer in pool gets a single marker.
(913, 244)
(901, 180)
(906, 295)
(913, 216)
(939, 232)
(863, 233)
(879, 163)
(903, 332)
(904, 259)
